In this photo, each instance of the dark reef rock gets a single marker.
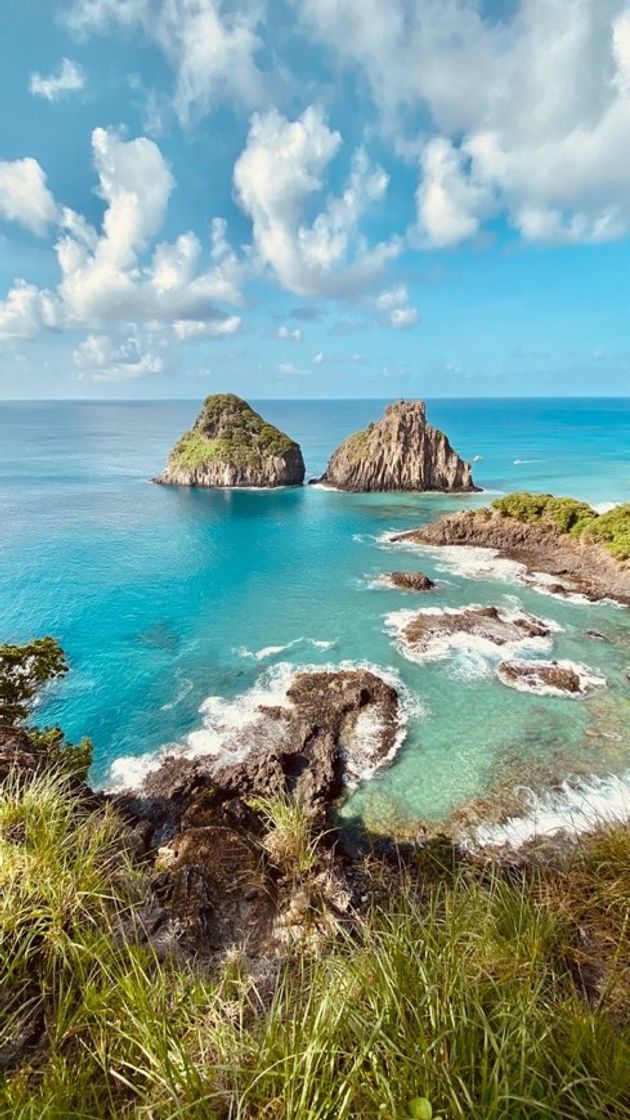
(480, 622)
(400, 452)
(230, 445)
(409, 581)
(309, 750)
(543, 676)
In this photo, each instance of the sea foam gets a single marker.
(574, 807)
(232, 728)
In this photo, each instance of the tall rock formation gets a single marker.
(231, 445)
(400, 452)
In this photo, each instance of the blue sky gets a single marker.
(303, 198)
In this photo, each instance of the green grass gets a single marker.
(458, 986)
(245, 439)
(611, 529)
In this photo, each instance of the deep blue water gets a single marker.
(163, 597)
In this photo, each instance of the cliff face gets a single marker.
(231, 445)
(400, 452)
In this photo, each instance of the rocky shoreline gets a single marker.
(578, 566)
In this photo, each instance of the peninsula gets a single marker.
(584, 552)
(230, 445)
(399, 452)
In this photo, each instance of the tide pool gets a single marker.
(164, 598)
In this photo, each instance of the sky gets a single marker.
(314, 198)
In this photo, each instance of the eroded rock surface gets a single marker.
(582, 567)
(399, 452)
(487, 623)
(548, 677)
(230, 445)
(409, 581)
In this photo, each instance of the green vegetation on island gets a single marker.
(458, 988)
(245, 438)
(611, 529)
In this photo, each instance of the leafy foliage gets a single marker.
(24, 671)
(228, 430)
(612, 529)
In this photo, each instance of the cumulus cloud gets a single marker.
(393, 307)
(281, 167)
(102, 358)
(24, 196)
(69, 77)
(211, 46)
(514, 131)
(119, 274)
(290, 335)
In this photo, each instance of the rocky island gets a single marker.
(399, 452)
(584, 552)
(230, 445)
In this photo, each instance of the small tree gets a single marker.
(24, 670)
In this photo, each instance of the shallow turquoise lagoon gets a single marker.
(171, 600)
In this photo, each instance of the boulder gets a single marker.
(409, 581)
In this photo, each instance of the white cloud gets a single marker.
(393, 307)
(210, 47)
(69, 77)
(102, 358)
(514, 131)
(26, 312)
(280, 168)
(288, 369)
(24, 196)
(107, 277)
(290, 335)
(318, 358)
(198, 328)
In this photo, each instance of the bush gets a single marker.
(611, 529)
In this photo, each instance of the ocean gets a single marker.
(181, 610)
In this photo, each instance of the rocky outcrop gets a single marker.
(220, 880)
(498, 628)
(338, 727)
(579, 566)
(409, 581)
(230, 445)
(400, 452)
(555, 677)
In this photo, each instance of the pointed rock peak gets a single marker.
(230, 445)
(399, 452)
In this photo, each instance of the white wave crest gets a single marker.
(273, 651)
(588, 678)
(574, 808)
(233, 728)
(480, 563)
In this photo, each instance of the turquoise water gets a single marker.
(165, 597)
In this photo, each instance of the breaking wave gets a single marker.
(574, 807)
(588, 679)
(273, 651)
(473, 655)
(233, 728)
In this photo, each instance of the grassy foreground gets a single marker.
(463, 991)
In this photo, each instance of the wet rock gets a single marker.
(548, 676)
(400, 452)
(487, 623)
(409, 581)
